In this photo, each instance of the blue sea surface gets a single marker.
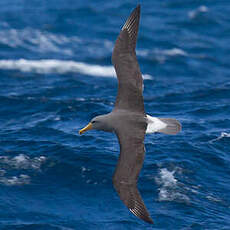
(56, 75)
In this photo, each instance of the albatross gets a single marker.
(128, 119)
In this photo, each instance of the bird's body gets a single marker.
(128, 119)
(115, 120)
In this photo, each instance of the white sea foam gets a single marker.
(45, 42)
(194, 13)
(166, 178)
(169, 188)
(15, 180)
(14, 165)
(222, 135)
(147, 76)
(213, 199)
(36, 40)
(174, 52)
(143, 52)
(22, 161)
(162, 53)
(59, 66)
(83, 169)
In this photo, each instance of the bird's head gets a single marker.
(98, 123)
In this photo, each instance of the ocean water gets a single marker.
(56, 74)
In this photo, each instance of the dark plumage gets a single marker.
(128, 72)
(128, 119)
(131, 132)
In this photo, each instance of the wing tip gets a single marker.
(138, 7)
(143, 217)
(149, 220)
(138, 10)
(135, 15)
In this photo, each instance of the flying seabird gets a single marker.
(128, 119)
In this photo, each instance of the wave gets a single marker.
(173, 52)
(15, 180)
(22, 161)
(170, 188)
(22, 224)
(222, 135)
(200, 10)
(15, 164)
(166, 52)
(45, 66)
(43, 42)
(162, 55)
(37, 41)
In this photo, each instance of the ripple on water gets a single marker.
(15, 165)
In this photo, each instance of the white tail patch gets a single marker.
(163, 125)
(154, 124)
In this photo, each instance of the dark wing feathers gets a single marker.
(132, 152)
(131, 25)
(129, 95)
(131, 197)
(130, 134)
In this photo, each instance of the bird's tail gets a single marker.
(163, 125)
(172, 126)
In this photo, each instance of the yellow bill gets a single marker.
(87, 127)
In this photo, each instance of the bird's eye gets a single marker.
(93, 122)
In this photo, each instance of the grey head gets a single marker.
(102, 122)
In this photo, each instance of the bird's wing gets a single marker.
(132, 151)
(130, 83)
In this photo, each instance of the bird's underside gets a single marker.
(131, 133)
(128, 119)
